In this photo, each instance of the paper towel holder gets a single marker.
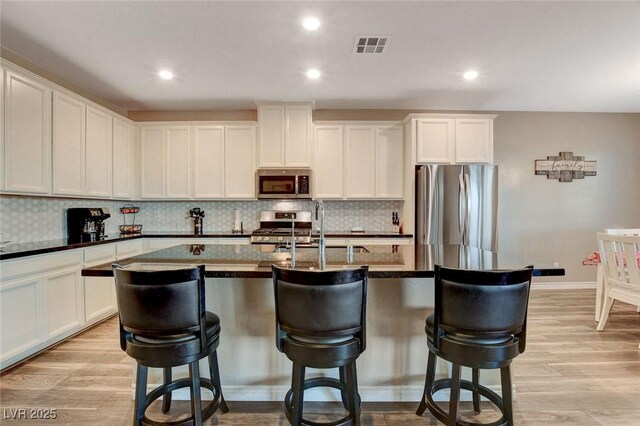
(237, 224)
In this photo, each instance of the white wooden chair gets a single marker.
(600, 275)
(621, 271)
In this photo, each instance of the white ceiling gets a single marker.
(532, 56)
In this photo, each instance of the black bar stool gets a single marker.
(479, 321)
(164, 324)
(320, 323)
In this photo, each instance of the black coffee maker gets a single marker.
(86, 224)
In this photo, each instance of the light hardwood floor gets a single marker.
(570, 374)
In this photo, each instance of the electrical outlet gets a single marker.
(556, 264)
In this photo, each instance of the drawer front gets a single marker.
(41, 263)
(129, 249)
(100, 254)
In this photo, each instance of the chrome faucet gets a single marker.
(293, 243)
(322, 244)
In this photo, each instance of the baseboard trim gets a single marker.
(561, 285)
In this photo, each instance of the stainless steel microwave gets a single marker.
(283, 183)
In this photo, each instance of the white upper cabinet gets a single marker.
(208, 161)
(474, 140)
(122, 159)
(152, 162)
(271, 135)
(436, 140)
(298, 135)
(68, 145)
(178, 162)
(451, 139)
(98, 154)
(285, 134)
(88, 145)
(27, 142)
(205, 161)
(358, 161)
(239, 161)
(389, 162)
(361, 161)
(374, 161)
(328, 165)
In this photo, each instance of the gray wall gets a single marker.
(545, 220)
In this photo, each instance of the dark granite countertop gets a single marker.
(385, 261)
(17, 250)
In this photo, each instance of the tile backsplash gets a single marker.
(25, 219)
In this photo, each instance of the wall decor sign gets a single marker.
(565, 167)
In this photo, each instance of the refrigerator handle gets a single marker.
(461, 207)
(467, 204)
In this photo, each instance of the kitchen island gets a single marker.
(400, 296)
(385, 261)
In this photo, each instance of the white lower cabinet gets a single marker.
(63, 302)
(99, 292)
(21, 316)
(99, 297)
(41, 299)
(129, 248)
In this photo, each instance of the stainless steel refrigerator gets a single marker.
(457, 204)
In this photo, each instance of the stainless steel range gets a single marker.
(276, 227)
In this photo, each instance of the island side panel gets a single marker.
(392, 368)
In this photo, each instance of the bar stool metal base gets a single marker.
(293, 398)
(195, 382)
(455, 383)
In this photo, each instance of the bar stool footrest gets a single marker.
(443, 416)
(161, 390)
(315, 383)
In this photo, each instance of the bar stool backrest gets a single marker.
(483, 305)
(321, 304)
(161, 304)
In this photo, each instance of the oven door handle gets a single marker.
(296, 185)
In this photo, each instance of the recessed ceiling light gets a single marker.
(470, 75)
(313, 74)
(311, 23)
(165, 74)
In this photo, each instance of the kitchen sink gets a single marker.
(304, 250)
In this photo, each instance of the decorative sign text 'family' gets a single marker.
(566, 167)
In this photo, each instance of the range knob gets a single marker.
(265, 239)
(259, 239)
(279, 238)
(300, 239)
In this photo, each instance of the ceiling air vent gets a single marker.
(371, 44)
